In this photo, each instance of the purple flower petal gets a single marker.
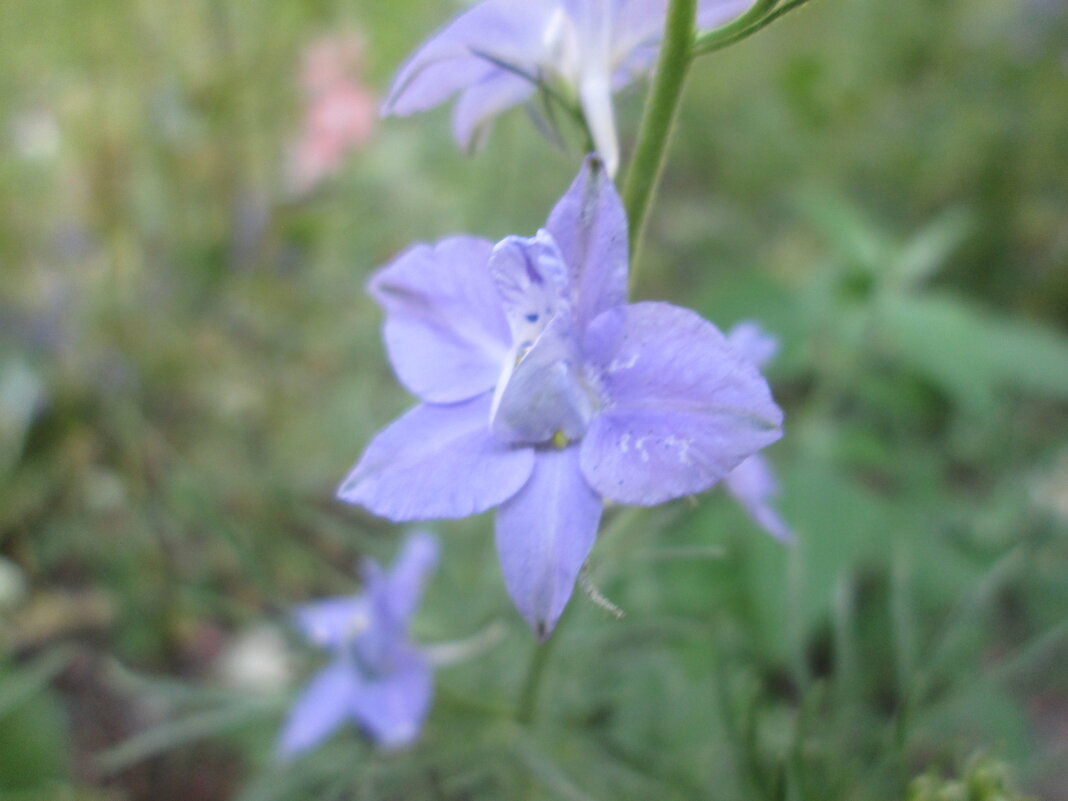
(682, 408)
(482, 101)
(637, 22)
(589, 226)
(392, 598)
(639, 62)
(464, 52)
(333, 622)
(403, 584)
(753, 343)
(544, 396)
(437, 462)
(593, 47)
(391, 707)
(321, 708)
(532, 285)
(544, 535)
(754, 485)
(444, 329)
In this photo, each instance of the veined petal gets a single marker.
(682, 408)
(468, 49)
(437, 462)
(391, 707)
(445, 331)
(544, 535)
(589, 226)
(754, 485)
(322, 707)
(480, 102)
(714, 13)
(544, 395)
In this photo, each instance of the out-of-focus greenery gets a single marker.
(984, 780)
(188, 366)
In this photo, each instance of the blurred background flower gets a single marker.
(339, 113)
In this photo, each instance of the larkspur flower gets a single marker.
(376, 677)
(753, 482)
(497, 54)
(544, 392)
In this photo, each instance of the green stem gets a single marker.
(528, 699)
(756, 12)
(658, 119)
(755, 19)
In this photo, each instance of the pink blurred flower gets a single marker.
(339, 111)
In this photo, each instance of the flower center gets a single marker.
(542, 395)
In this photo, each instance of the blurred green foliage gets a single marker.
(188, 366)
(984, 780)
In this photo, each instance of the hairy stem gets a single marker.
(676, 54)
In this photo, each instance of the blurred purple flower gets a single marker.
(753, 482)
(544, 392)
(497, 53)
(376, 677)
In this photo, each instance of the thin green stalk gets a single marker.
(662, 105)
(756, 12)
(527, 710)
(528, 698)
(757, 18)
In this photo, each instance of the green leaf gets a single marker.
(927, 252)
(19, 687)
(839, 523)
(33, 736)
(546, 772)
(971, 353)
(21, 393)
(855, 235)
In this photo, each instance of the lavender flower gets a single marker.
(544, 392)
(376, 677)
(499, 52)
(753, 482)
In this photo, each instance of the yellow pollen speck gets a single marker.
(560, 440)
